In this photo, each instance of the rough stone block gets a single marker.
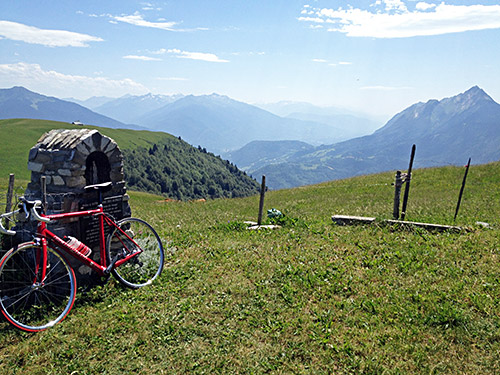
(61, 156)
(89, 142)
(80, 157)
(57, 180)
(104, 143)
(42, 157)
(83, 149)
(96, 140)
(110, 148)
(115, 157)
(35, 167)
(33, 153)
(65, 172)
(76, 181)
(116, 176)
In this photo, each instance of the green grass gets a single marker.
(309, 298)
(23, 134)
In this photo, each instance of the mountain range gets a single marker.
(216, 122)
(130, 109)
(290, 151)
(222, 124)
(446, 132)
(353, 124)
(18, 102)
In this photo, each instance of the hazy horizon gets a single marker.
(377, 57)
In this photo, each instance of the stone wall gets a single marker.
(61, 156)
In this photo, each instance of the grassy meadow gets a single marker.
(309, 298)
(26, 133)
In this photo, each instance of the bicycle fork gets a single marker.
(40, 263)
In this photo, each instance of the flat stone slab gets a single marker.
(428, 226)
(353, 220)
(350, 220)
(259, 227)
(253, 225)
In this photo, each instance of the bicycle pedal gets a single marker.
(108, 269)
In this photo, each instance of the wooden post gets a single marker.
(43, 182)
(407, 180)
(261, 203)
(462, 189)
(10, 193)
(397, 195)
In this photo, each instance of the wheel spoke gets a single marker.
(28, 302)
(135, 236)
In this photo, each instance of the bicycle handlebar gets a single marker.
(34, 214)
(2, 228)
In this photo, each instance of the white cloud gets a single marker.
(394, 5)
(50, 82)
(323, 61)
(210, 57)
(138, 20)
(143, 58)
(392, 19)
(424, 6)
(312, 19)
(50, 38)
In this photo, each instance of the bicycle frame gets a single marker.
(102, 268)
(37, 282)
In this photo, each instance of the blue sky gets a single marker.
(378, 56)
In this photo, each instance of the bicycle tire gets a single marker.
(142, 269)
(27, 303)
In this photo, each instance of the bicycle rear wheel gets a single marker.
(135, 235)
(28, 301)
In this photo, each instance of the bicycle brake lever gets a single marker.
(26, 211)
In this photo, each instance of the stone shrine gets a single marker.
(71, 159)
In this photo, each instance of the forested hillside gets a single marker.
(182, 172)
(153, 161)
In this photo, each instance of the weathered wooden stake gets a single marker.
(462, 189)
(43, 182)
(407, 187)
(10, 193)
(261, 203)
(397, 195)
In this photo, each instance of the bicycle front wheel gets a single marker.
(132, 236)
(30, 300)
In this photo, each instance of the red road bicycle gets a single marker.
(37, 283)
